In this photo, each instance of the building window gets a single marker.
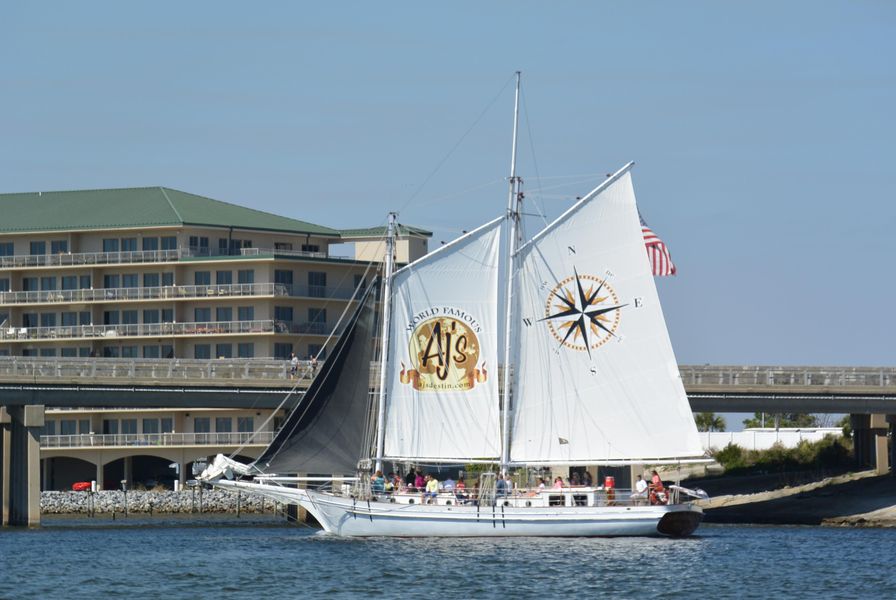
(85, 318)
(202, 278)
(70, 282)
(151, 352)
(48, 352)
(282, 246)
(360, 282)
(84, 426)
(167, 278)
(29, 320)
(167, 315)
(110, 317)
(151, 315)
(199, 244)
(48, 320)
(245, 313)
(224, 350)
(29, 284)
(223, 424)
(223, 277)
(224, 313)
(151, 243)
(49, 428)
(69, 352)
(58, 246)
(317, 316)
(283, 313)
(129, 426)
(150, 280)
(202, 425)
(129, 317)
(129, 280)
(7, 249)
(110, 426)
(317, 350)
(85, 352)
(110, 245)
(167, 351)
(38, 248)
(222, 246)
(70, 319)
(202, 351)
(283, 276)
(167, 425)
(4, 284)
(202, 315)
(245, 424)
(128, 244)
(47, 283)
(29, 351)
(111, 352)
(129, 351)
(169, 242)
(282, 351)
(84, 281)
(111, 281)
(68, 427)
(150, 426)
(310, 248)
(246, 276)
(246, 350)
(317, 284)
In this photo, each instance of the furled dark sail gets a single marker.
(325, 433)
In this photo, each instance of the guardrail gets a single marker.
(173, 369)
(90, 440)
(177, 292)
(788, 376)
(24, 334)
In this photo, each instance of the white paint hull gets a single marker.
(359, 518)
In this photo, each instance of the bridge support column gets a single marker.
(891, 419)
(870, 442)
(21, 465)
(5, 462)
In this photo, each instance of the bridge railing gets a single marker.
(788, 376)
(90, 440)
(175, 369)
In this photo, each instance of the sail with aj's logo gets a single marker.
(442, 382)
(596, 380)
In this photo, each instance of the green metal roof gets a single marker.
(381, 231)
(136, 207)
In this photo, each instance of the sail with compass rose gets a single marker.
(595, 377)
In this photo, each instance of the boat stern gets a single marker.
(680, 523)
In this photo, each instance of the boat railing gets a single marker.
(92, 440)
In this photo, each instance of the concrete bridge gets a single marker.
(28, 384)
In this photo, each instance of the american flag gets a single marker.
(660, 260)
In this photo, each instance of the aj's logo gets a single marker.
(582, 312)
(445, 353)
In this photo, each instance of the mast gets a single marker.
(513, 217)
(384, 345)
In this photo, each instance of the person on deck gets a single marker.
(378, 483)
(500, 487)
(657, 491)
(293, 365)
(448, 485)
(419, 480)
(640, 492)
(586, 479)
(432, 489)
(558, 483)
(460, 491)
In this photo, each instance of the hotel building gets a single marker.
(154, 274)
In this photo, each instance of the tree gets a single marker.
(782, 420)
(707, 421)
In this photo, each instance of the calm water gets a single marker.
(260, 558)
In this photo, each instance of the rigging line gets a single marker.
(480, 186)
(537, 194)
(457, 145)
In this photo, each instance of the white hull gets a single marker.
(348, 517)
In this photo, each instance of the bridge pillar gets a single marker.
(21, 465)
(891, 419)
(870, 442)
(5, 462)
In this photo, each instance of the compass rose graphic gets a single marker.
(582, 312)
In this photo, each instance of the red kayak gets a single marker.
(81, 486)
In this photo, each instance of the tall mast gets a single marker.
(384, 345)
(513, 217)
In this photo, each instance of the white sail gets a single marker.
(442, 391)
(596, 380)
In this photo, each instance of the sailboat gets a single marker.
(586, 376)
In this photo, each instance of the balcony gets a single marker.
(256, 327)
(90, 440)
(24, 261)
(178, 292)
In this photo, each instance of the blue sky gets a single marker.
(763, 134)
